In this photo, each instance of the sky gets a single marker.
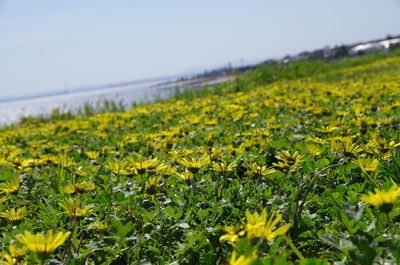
(48, 45)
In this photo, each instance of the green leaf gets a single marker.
(119, 196)
(154, 249)
(169, 211)
(313, 261)
(339, 243)
(321, 163)
(183, 225)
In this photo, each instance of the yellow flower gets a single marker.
(314, 150)
(15, 215)
(105, 150)
(70, 189)
(100, 134)
(21, 163)
(259, 171)
(257, 225)
(92, 154)
(194, 164)
(346, 146)
(243, 259)
(183, 152)
(10, 186)
(342, 113)
(383, 199)
(63, 161)
(185, 175)
(152, 185)
(366, 164)
(260, 225)
(16, 252)
(231, 149)
(288, 160)
(6, 259)
(97, 225)
(260, 132)
(326, 129)
(168, 170)
(42, 243)
(215, 153)
(73, 207)
(382, 146)
(81, 186)
(4, 198)
(150, 165)
(210, 122)
(223, 166)
(315, 140)
(12, 257)
(117, 167)
(232, 235)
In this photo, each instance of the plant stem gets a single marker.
(68, 244)
(293, 247)
(299, 207)
(282, 184)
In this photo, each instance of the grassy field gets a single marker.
(288, 164)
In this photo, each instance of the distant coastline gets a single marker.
(167, 82)
(88, 88)
(123, 94)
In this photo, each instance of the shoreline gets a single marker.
(200, 81)
(13, 111)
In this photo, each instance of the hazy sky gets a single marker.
(48, 45)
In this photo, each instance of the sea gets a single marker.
(12, 111)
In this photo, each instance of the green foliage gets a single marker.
(171, 182)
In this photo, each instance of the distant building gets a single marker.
(374, 46)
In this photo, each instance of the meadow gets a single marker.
(288, 164)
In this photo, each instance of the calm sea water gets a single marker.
(12, 111)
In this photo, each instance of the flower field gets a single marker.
(296, 164)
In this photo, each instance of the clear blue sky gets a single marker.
(46, 45)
